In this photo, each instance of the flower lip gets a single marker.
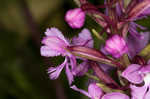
(132, 74)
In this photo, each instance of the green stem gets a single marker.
(92, 76)
(145, 53)
(126, 60)
(107, 89)
(97, 35)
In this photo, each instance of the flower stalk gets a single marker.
(94, 55)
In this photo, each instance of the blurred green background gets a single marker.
(23, 72)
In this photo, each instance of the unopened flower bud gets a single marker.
(75, 18)
(116, 46)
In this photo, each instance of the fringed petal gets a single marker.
(46, 51)
(80, 90)
(54, 72)
(57, 33)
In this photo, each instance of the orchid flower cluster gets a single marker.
(126, 49)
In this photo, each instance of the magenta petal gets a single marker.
(131, 73)
(69, 74)
(55, 33)
(46, 51)
(73, 62)
(80, 90)
(138, 92)
(95, 91)
(115, 95)
(54, 72)
(84, 38)
(116, 45)
(145, 69)
(54, 43)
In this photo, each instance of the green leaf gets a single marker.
(145, 53)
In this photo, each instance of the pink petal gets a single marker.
(145, 69)
(69, 74)
(95, 91)
(57, 33)
(84, 38)
(138, 92)
(54, 72)
(54, 43)
(46, 51)
(115, 95)
(73, 62)
(132, 74)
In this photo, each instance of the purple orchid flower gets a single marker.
(141, 10)
(136, 74)
(136, 41)
(84, 39)
(56, 44)
(140, 92)
(95, 92)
